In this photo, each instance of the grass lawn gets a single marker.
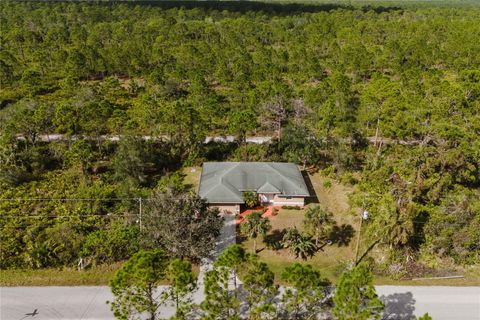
(327, 261)
(192, 177)
(98, 276)
(333, 257)
(471, 278)
(58, 277)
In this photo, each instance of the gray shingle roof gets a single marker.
(224, 182)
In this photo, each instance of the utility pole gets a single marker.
(363, 216)
(358, 239)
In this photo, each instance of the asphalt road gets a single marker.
(449, 303)
(442, 303)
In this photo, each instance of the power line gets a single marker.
(72, 216)
(73, 199)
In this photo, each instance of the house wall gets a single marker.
(226, 208)
(288, 201)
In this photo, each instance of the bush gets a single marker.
(272, 244)
(348, 178)
(327, 184)
(116, 243)
(55, 246)
(251, 199)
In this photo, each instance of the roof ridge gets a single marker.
(221, 181)
(279, 172)
(268, 183)
(287, 179)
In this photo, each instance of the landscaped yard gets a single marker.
(332, 257)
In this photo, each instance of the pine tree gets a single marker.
(135, 286)
(304, 294)
(182, 283)
(355, 297)
(260, 290)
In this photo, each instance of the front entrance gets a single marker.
(227, 208)
(266, 198)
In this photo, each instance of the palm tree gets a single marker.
(301, 245)
(304, 247)
(290, 237)
(316, 219)
(255, 225)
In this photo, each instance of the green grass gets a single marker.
(332, 260)
(471, 278)
(58, 277)
(98, 276)
(329, 261)
(192, 177)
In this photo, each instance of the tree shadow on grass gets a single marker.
(398, 306)
(341, 235)
(273, 241)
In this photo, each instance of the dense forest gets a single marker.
(383, 98)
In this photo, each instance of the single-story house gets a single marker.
(222, 184)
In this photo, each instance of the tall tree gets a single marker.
(300, 145)
(274, 113)
(129, 161)
(80, 155)
(134, 286)
(220, 302)
(255, 225)
(241, 122)
(233, 258)
(182, 283)
(316, 220)
(355, 297)
(304, 296)
(182, 224)
(260, 290)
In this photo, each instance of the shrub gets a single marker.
(251, 199)
(327, 184)
(348, 178)
(116, 243)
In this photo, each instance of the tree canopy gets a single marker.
(105, 102)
